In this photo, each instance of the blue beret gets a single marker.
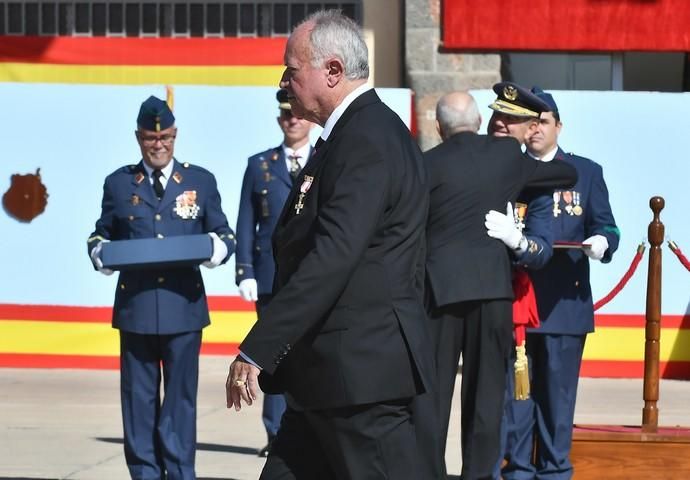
(155, 115)
(517, 101)
(283, 102)
(546, 97)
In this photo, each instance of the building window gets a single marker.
(241, 18)
(628, 71)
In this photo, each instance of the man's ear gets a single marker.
(335, 71)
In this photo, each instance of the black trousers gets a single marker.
(365, 442)
(482, 332)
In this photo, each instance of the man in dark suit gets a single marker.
(469, 274)
(345, 333)
(580, 215)
(266, 185)
(160, 311)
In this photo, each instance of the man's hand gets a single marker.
(598, 248)
(242, 383)
(96, 258)
(220, 251)
(503, 227)
(249, 290)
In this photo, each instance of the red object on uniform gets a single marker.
(525, 312)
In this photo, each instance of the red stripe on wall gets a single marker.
(644, 25)
(638, 321)
(230, 349)
(632, 369)
(142, 51)
(92, 362)
(64, 313)
(34, 360)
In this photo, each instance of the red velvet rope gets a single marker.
(675, 249)
(624, 280)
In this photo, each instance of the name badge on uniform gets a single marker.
(303, 189)
(185, 205)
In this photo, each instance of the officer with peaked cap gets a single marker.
(160, 311)
(516, 113)
(267, 182)
(582, 215)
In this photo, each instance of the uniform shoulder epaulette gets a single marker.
(195, 168)
(265, 155)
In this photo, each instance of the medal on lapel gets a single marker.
(185, 205)
(303, 189)
(577, 209)
(520, 212)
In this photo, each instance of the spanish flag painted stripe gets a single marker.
(140, 61)
(81, 337)
(266, 76)
(142, 51)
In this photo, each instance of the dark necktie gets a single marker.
(294, 166)
(157, 184)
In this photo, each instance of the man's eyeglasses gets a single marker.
(150, 140)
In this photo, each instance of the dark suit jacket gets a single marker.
(160, 301)
(562, 287)
(346, 325)
(469, 175)
(265, 187)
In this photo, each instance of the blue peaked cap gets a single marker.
(546, 98)
(155, 115)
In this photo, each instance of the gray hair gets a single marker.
(335, 35)
(454, 117)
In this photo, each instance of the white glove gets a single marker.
(249, 290)
(598, 248)
(220, 251)
(96, 258)
(503, 227)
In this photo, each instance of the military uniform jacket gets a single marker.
(346, 325)
(562, 287)
(265, 187)
(165, 300)
(469, 175)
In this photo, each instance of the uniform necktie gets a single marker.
(294, 166)
(157, 184)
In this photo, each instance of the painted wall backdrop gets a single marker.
(78, 134)
(55, 309)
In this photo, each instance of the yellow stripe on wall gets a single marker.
(235, 75)
(77, 338)
(620, 343)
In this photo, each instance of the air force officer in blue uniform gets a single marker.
(564, 300)
(265, 188)
(160, 312)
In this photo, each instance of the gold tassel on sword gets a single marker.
(521, 373)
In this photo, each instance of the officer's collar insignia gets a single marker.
(185, 205)
(510, 92)
(177, 177)
(139, 177)
(135, 199)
